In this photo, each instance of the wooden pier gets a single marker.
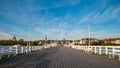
(59, 57)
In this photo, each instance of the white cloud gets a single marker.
(54, 20)
(36, 5)
(4, 35)
(102, 34)
(86, 18)
(111, 13)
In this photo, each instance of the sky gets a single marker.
(59, 19)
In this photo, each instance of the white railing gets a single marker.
(111, 51)
(20, 50)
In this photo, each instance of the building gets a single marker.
(85, 41)
(117, 41)
(76, 42)
(112, 41)
(41, 42)
(14, 38)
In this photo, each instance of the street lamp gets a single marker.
(89, 33)
(88, 27)
(31, 26)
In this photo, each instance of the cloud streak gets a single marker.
(111, 13)
(59, 19)
(4, 36)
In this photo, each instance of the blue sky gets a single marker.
(59, 19)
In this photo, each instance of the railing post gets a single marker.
(22, 50)
(38, 47)
(95, 50)
(106, 50)
(110, 53)
(26, 49)
(9, 50)
(92, 49)
(100, 50)
(35, 48)
(16, 50)
(29, 48)
(113, 52)
(88, 49)
(85, 49)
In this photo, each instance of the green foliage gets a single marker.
(11, 42)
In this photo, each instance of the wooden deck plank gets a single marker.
(59, 57)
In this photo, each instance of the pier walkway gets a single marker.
(59, 57)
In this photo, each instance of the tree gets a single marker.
(21, 41)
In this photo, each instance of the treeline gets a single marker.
(20, 41)
(11, 42)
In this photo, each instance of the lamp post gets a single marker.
(30, 33)
(88, 27)
(89, 34)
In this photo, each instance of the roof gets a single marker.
(112, 39)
